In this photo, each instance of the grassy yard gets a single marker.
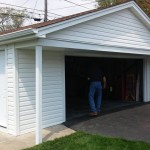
(84, 141)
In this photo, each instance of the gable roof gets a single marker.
(67, 21)
(43, 24)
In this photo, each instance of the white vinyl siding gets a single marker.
(53, 88)
(53, 82)
(26, 90)
(3, 89)
(11, 108)
(120, 29)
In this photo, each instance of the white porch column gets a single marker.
(38, 52)
(146, 77)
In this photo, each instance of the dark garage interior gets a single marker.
(124, 83)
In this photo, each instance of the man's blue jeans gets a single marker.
(95, 90)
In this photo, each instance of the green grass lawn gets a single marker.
(85, 141)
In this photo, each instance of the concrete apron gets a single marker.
(9, 142)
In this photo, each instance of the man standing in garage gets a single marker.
(97, 83)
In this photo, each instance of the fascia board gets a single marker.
(68, 23)
(18, 35)
(17, 39)
(141, 14)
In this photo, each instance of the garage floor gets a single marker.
(80, 107)
(131, 123)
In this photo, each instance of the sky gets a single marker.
(55, 7)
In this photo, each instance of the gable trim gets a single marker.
(141, 14)
(41, 32)
(68, 23)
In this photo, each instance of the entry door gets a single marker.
(3, 108)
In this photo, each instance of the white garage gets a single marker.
(32, 61)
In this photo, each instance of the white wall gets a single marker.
(120, 29)
(3, 90)
(11, 92)
(26, 90)
(53, 89)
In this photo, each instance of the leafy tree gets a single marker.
(11, 18)
(144, 4)
(108, 3)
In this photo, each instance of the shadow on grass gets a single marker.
(85, 141)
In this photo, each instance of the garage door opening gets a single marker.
(124, 83)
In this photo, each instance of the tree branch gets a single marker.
(147, 1)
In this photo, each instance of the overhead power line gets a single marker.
(72, 6)
(42, 11)
(76, 4)
(30, 9)
(35, 6)
(24, 2)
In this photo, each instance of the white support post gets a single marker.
(38, 52)
(145, 80)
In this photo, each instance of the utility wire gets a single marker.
(34, 7)
(39, 19)
(72, 6)
(24, 2)
(76, 4)
(30, 8)
(37, 13)
(81, 5)
(51, 9)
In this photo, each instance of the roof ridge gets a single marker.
(42, 24)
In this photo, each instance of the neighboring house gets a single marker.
(32, 61)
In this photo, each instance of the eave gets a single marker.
(17, 36)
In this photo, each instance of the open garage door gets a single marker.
(124, 83)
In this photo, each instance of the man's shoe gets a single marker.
(93, 114)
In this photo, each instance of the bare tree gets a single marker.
(11, 18)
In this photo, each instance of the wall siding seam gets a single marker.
(6, 71)
(106, 27)
(102, 38)
(92, 40)
(119, 28)
(97, 32)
